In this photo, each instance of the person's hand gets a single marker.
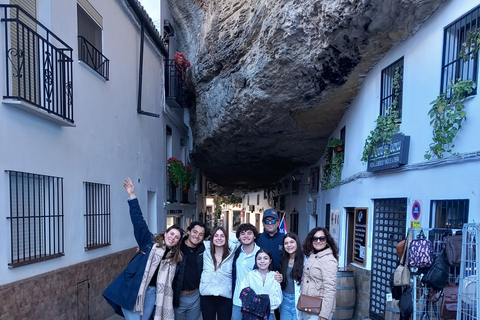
(128, 185)
(278, 277)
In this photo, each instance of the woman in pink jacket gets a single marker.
(320, 272)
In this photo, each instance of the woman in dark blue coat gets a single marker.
(146, 283)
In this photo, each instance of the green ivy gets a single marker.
(447, 116)
(470, 46)
(387, 125)
(332, 170)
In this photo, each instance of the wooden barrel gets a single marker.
(345, 296)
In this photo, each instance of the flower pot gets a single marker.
(338, 149)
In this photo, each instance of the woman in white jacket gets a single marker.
(291, 267)
(262, 280)
(216, 280)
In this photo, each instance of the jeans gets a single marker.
(236, 313)
(189, 307)
(148, 306)
(288, 310)
(213, 306)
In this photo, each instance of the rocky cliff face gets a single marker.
(270, 79)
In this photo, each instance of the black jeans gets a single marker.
(214, 305)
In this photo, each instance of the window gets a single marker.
(36, 218)
(453, 65)
(97, 215)
(89, 25)
(258, 199)
(392, 87)
(314, 173)
(450, 214)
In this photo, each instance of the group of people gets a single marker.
(177, 276)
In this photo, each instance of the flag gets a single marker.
(283, 226)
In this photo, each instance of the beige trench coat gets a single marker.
(320, 279)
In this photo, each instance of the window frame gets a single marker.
(453, 66)
(387, 91)
(40, 197)
(98, 222)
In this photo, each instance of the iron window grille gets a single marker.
(451, 214)
(388, 91)
(454, 67)
(36, 218)
(93, 57)
(174, 79)
(97, 215)
(313, 181)
(38, 66)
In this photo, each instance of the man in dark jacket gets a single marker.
(271, 239)
(186, 297)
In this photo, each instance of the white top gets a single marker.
(270, 287)
(217, 282)
(244, 263)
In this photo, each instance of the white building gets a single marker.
(88, 100)
(373, 206)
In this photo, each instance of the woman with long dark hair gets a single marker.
(216, 280)
(320, 272)
(146, 282)
(291, 267)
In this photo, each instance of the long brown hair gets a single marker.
(308, 243)
(175, 254)
(225, 246)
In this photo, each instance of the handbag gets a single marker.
(400, 247)
(405, 305)
(453, 249)
(401, 277)
(420, 251)
(448, 309)
(309, 304)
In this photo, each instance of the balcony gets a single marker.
(93, 58)
(174, 95)
(38, 67)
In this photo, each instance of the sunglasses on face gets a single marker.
(272, 221)
(321, 239)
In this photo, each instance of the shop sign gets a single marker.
(397, 156)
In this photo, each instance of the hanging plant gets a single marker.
(387, 124)
(470, 46)
(176, 171)
(188, 179)
(181, 63)
(335, 144)
(447, 116)
(332, 169)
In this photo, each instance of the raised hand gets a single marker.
(128, 185)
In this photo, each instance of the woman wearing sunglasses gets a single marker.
(320, 271)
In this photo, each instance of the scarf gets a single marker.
(164, 291)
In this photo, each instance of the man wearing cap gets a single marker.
(271, 239)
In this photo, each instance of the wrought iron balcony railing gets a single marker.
(93, 57)
(38, 68)
(174, 78)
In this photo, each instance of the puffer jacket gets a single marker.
(320, 279)
(217, 282)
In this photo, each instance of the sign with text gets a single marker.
(390, 155)
(360, 236)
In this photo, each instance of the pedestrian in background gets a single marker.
(186, 296)
(146, 282)
(291, 267)
(216, 280)
(320, 272)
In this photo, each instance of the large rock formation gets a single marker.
(270, 79)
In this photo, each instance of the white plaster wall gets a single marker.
(109, 143)
(422, 70)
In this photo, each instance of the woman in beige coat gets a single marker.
(320, 272)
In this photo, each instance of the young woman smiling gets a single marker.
(262, 280)
(291, 267)
(216, 280)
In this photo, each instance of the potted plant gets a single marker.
(181, 63)
(188, 179)
(176, 171)
(335, 144)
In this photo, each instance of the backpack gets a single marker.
(420, 252)
(453, 249)
(437, 275)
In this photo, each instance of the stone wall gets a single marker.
(74, 292)
(362, 284)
